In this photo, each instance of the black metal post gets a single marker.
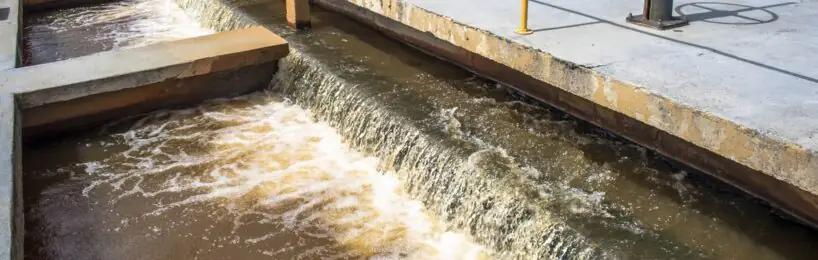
(658, 14)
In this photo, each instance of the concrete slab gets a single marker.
(78, 91)
(739, 81)
(11, 217)
(728, 65)
(10, 24)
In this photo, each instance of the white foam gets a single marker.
(266, 156)
(145, 22)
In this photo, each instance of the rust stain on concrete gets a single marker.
(788, 163)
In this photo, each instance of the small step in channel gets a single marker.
(208, 129)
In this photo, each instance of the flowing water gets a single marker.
(242, 178)
(54, 35)
(365, 148)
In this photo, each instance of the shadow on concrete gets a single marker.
(565, 26)
(716, 10)
(710, 49)
(4, 13)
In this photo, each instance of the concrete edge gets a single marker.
(76, 93)
(785, 161)
(102, 72)
(92, 110)
(11, 220)
(734, 154)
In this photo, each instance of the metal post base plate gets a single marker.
(661, 25)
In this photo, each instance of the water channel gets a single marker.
(360, 148)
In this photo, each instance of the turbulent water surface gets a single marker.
(56, 35)
(239, 178)
(365, 148)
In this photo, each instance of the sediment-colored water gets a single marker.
(363, 147)
(242, 178)
(60, 34)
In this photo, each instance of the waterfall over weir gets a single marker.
(521, 178)
(472, 187)
(365, 148)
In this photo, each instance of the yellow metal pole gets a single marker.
(524, 20)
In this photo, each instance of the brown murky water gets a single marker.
(244, 178)
(60, 34)
(364, 147)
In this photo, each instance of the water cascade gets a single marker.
(364, 147)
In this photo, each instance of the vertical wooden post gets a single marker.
(298, 14)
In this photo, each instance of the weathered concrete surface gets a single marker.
(10, 24)
(85, 90)
(718, 87)
(11, 216)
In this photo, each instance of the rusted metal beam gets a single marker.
(298, 14)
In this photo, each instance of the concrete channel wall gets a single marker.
(77, 92)
(84, 91)
(782, 173)
(11, 217)
(11, 199)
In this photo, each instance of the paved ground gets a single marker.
(752, 62)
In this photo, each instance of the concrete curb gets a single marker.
(55, 94)
(782, 173)
(11, 218)
(98, 73)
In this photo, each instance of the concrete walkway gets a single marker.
(752, 62)
(741, 81)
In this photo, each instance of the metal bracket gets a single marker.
(658, 24)
(658, 14)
